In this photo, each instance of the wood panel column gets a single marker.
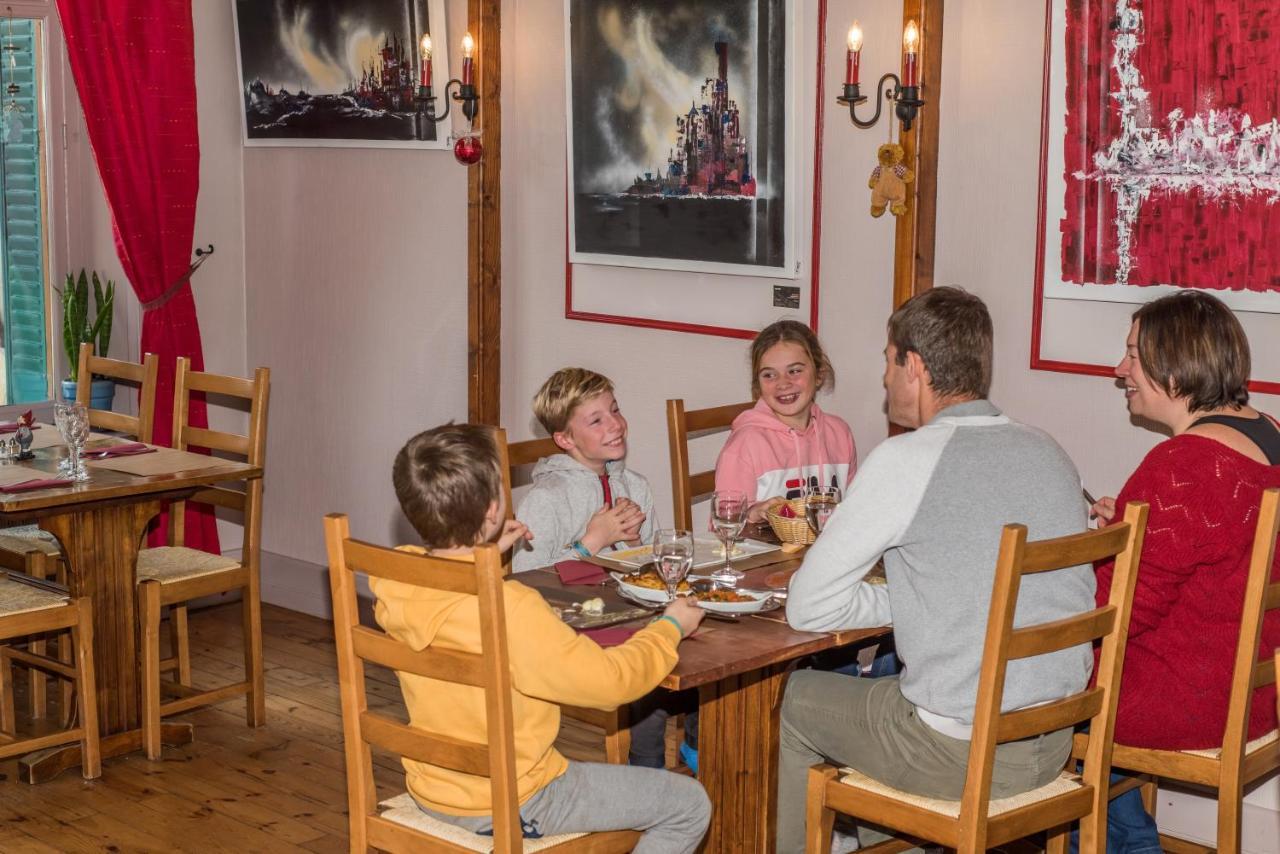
(484, 223)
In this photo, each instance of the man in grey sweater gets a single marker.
(932, 503)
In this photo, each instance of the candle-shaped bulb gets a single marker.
(911, 38)
(426, 45)
(855, 37)
(910, 54)
(424, 69)
(468, 46)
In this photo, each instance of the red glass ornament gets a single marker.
(468, 150)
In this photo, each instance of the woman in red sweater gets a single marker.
(1185, 368)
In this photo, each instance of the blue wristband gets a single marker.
(673, 622)
(578, 547)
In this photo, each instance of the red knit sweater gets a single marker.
(1204, 500)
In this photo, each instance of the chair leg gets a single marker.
(1230, 798)
(180, 642)
(82, 637)
(818, 820)
(1058, 837)
(617, 738)
(256, 699)
(8, 718)
(38, 680)
(149, 616)
(1150, 792)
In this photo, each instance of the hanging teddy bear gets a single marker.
(889, 181)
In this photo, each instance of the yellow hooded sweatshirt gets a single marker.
(550, 664)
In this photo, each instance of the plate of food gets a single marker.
(707, 551)
(646, 586)
(731, 600)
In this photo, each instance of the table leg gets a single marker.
(738, 758)
(100, 544)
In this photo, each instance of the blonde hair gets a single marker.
(563, 392)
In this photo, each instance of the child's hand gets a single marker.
(756, 512)
(685, 611)
(513, 531)
(611, 525)
(1104, 509)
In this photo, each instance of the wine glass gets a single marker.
(673, 557)
(819, 503)
(72, 421)
(60, 413)
(728, 516)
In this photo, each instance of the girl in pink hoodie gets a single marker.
(786, 444)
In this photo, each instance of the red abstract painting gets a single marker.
(1171, 153)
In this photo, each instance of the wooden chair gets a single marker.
(687, 488)
(617, 732)
(404, 827)
(144, 376)
(1239, 762)
(27, 610)
(976, 823)
(37, 563)
(173, 575)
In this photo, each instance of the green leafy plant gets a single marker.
(78, 326)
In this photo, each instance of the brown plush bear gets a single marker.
(889, 181)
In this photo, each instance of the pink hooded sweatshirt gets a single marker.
(765, 458)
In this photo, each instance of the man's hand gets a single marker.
(513, 531)
(1104, 510)
(685, 611)
(614, 524)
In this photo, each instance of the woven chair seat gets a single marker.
(403, 809)
(19, 598)
(168, 564)
(1066, 782)
(25, 539)
(1216, 752)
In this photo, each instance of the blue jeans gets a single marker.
(1130, 830)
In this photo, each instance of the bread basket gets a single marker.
(792, 530)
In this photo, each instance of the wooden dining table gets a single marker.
(739, 669)
(99, 525)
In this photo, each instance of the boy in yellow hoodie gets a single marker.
(450, 487)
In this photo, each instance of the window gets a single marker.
(24, 293)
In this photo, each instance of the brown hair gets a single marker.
(563, 392)
(445, 479)
(950, 329)
(790, 332)
(1192, 346)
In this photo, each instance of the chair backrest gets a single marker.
(517, 454)
(1261, 594)
(489, 669)
(1004, 643)
(687, 488)
(143, 376)
(252, 447)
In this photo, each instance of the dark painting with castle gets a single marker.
(679, 134)
(336, 72)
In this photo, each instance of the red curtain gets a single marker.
(134, 67)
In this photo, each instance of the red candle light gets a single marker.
(854, 58)
(468, 48)
(424, 78)
(910, 54)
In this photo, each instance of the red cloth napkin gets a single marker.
(128, 449)
(580, 572)
(12, 427)
(29, 485)
(611, 636)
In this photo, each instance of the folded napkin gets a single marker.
(30, 485)
(129, 449)
(611, 636)
(12, 427)
(580, 572)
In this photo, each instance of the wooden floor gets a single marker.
(277, 788)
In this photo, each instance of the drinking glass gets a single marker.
(728, 516)
(819, 503)
(72, 420)
(60, 411)
(673, 557)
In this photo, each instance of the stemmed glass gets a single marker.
(72, 421)
(819, 503)
(673, 557)
(728, 516)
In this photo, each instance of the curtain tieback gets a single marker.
(170, 292)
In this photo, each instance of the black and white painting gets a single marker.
(681, 143)
(339, 72)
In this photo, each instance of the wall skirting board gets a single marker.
(298, 585)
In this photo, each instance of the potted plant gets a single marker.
(79, 326)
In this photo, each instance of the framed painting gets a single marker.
(684, 157)
(336, 72)
(1160, 170)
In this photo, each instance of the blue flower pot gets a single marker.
(101, 393)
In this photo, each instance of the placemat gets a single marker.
(163, 461)
(47, 437)
(11, 474)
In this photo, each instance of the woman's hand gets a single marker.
(756, 512)
(1104, 510)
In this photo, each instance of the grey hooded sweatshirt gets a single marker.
(564, 496)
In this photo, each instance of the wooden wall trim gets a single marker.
(914, 239)
(484, 223)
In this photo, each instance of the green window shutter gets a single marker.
(22, 223)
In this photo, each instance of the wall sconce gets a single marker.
(466, 94)
(906, 90)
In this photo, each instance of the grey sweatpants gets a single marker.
(867, 724)
(672, 810)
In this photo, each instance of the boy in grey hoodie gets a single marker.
(584, 500)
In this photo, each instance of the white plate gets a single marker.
(707, 551)
(644, 594)
(761, 600)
